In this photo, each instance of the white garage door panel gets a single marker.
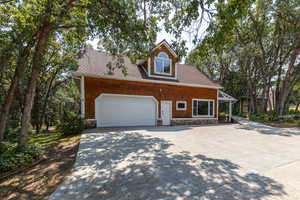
(125, 111)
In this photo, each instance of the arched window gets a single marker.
(163, 64)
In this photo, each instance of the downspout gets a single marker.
(82, 97)
(217, 110)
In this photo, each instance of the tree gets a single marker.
(262, 41)
(38, 22)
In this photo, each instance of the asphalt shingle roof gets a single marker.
(95, 63)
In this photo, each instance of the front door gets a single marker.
(166, 112)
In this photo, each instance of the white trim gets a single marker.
(185, 105)
(226, 97)
(217, 114)
(149, 66)
(82, 96)
(125, 95)
(168, 47)
(230, 111)
(90, 119)
(175, 70)
(205, 100)
(144, 80)
(163, 59)
(196, 118)
(144, 70)
(164, 77)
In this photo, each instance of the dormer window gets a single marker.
(163, 64)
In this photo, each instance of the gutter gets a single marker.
(79, 74)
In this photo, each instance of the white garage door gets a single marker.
(125, 110)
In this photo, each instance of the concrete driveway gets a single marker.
(217, 162)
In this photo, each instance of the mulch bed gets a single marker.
(39, 180)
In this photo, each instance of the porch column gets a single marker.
(230, 110)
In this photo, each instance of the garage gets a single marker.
(113, 110)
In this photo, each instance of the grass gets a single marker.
(39, 181)
(45, 140)
(290, 120)
(284, 124)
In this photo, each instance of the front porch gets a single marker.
(225, 102)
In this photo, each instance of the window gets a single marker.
(180, 105)
(163, 64)
(203, 108)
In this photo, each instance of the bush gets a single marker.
(11, 157)
(287, 118)
(12, 134)
(259, 117)
(70, 123)
(243, 115)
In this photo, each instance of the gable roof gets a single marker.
(94, 64)
(164, 42)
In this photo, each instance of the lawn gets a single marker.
(39, 181)
(284, 124)
(290, 120)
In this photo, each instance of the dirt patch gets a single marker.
(42, 179)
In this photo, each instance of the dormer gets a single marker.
(161, 62)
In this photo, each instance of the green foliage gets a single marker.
(125, 27)
(272, 117)
(11, 157)
(70, 123)
(242, 115)
(223, 114)
(45, 140)
(238, 49)
(12, 134)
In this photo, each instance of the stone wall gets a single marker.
(91, 123)
(194, 122)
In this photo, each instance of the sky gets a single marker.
(164, 35)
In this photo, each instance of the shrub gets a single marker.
(260, 117)
(287, 118)
(12, 134)
(70, 123)
(243, 115)
(11, 157)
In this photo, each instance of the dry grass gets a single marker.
(41, 180)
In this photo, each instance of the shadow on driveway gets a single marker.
(265, 129)
(129, 165)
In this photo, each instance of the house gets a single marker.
(156, 91)
(244, 104)
(245, 107)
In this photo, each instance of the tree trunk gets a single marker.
(45, 104)
(36, 68)
(20, 68)
(297, 107)
(287, 84)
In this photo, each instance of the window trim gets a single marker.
(178, 102)
(204, 100)
(164, 59)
